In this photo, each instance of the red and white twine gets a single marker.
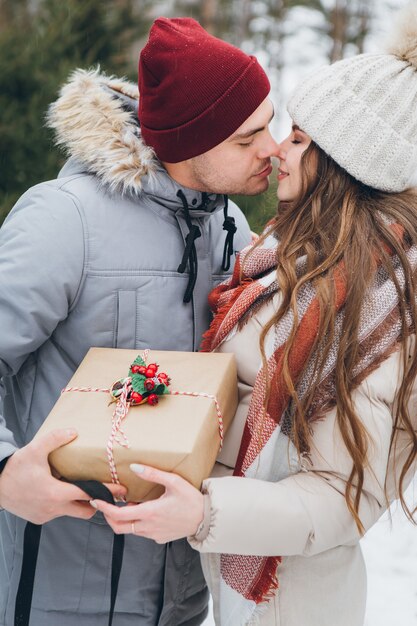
(117, 434)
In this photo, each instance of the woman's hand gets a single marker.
(176, 514)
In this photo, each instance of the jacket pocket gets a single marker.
(125, 319)
(153, 314)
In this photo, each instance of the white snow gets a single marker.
(390, 550)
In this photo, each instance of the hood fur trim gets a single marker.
(93, 126)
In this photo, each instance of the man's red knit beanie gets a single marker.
(194, 89)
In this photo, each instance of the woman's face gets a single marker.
(289, 171)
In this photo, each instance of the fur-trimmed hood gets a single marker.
(95, 122)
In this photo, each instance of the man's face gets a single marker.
(242, 163)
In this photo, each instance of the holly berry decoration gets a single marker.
(151, 370)
(153, 399)
(164, 378)
(149, 384)
(144, 384)
(135, 397)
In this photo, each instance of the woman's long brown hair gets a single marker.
(337, 221)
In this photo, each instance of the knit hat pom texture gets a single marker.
(403, 40)
(362, 111)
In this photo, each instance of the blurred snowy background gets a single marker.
(42, 41)
(390, 550)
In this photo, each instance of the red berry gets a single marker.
(142, 370)
(153, 399)
(135, 369)
(150, 372)
(164, 378)
(136, 397)
(149, 384)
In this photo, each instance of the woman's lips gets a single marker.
(282, 174)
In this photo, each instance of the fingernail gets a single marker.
(71, 432)
(138, 469)
(93, 503)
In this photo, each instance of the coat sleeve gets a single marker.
(306, 513)
(41, 268)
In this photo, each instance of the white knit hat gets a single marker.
(362, 111)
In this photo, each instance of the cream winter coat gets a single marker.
(304, 517)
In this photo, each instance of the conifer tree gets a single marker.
(41, 42)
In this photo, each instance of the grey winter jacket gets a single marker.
(91, 259)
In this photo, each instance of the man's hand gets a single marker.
(175, 514)
(28, 489)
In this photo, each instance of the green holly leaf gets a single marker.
(138, 383)
(139, 361)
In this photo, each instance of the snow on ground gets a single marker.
(390, 551)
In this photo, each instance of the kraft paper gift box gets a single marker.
(180, 434)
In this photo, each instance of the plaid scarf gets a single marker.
(248, 581)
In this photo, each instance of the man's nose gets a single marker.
(270, 148)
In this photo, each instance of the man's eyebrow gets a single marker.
(250, 133)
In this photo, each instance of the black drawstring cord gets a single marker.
(193, 234)
(32, 537)
(190, 253)
(230, 227)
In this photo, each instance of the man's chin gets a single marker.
(250, 190)
(261, 187)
